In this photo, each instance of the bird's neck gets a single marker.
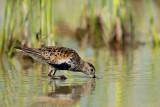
(81, 66)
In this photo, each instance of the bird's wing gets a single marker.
(57, 55)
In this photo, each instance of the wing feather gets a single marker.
(55, 55)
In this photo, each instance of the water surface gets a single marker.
(129, 78)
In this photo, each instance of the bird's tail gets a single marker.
(27, 50)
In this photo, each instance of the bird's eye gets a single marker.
(92, 70)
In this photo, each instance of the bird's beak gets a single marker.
(92, 76)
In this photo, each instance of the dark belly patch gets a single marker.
(63, 66)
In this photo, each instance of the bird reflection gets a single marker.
(22, 57)
(65, 94)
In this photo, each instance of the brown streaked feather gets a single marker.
(50, 54)
(27, 50)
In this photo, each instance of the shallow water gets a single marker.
(128, 78)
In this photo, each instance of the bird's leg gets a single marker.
(50, 73)
(54, 72)
(58, 77)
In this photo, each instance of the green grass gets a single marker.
(34, 16)
(23, 16)
(150, 15)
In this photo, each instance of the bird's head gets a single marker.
(89, 69)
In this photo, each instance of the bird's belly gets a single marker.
(63, 66)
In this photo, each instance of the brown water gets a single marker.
(124, 79)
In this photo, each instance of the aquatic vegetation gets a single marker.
(101, 23)
(27, 23)
(153, 30)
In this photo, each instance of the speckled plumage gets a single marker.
(60, 58)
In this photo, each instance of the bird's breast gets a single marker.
(62, 66)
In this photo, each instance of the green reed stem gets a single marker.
(149, 10)
(32, 22)
(48, 16)
(41, 18)
(19, 33)
(3, 29)
(52, 17)
(44, 20)
(115, 6)
(10, 22)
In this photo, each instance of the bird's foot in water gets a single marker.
(58, 77)
(49, 75)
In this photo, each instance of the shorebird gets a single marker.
(60, 58)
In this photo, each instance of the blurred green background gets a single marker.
(120, 37)
(99, 23)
